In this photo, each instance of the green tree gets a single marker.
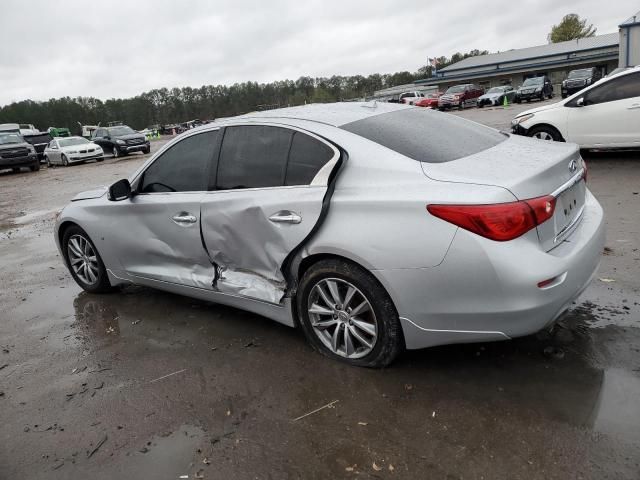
(570, 28)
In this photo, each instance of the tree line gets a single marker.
(167, 106)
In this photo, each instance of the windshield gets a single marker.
(68, 142)
(425, 136)
(533, 81)
(496, 90)
(456, 89)
(584, 73)
(7, 138)
(122, 130)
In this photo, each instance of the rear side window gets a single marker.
(627, 86)
(426, 136)
(253, 156)
(306, 158)
(183, 167)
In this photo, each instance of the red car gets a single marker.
(460, 96)
(430, 100)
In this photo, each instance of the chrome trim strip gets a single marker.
(479, 332)
(570, 183)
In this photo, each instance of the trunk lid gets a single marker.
(528, 168)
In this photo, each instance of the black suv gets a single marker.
(535, 87)
(16, 153)
(120, 140)
(578, 79)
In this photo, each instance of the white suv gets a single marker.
(603, 115)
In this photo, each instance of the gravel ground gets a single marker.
(145, 384)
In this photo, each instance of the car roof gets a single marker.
(334, 114)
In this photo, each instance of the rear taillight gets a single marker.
(499, 221)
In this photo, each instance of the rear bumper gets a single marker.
(485, 290)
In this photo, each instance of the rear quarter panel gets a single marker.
(378, 214)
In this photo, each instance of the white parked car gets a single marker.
(603, 115)
(65, 151)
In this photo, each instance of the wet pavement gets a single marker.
(146, 384)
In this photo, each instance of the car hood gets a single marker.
(11, 146)
(541, 109)
(83, 146)
(95, 193)
(129, 136)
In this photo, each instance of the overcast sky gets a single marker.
(123, 48)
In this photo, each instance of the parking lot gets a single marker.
(160, 386)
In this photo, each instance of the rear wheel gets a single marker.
(545, 132)
(46, 159)
(84, 261)
(347, 315)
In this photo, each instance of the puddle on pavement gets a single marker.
(164, 457)
(618, 407)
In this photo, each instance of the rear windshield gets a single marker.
(425, 135)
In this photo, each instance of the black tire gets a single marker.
(541, 130)
(390, 341)
(518, 100)
(16, 170)
(100, 159)
(147, 151)
(102, 284)
(115, 152)
(564, 95)
(65, 161)
(35, 167)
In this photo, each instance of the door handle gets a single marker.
(634, 106)
(184, 218)
(285, 216)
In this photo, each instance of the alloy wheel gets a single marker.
(83, 259)
(342, 318)
(543, 136)
(115, 152)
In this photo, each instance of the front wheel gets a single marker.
(65, 161)
(147, 151)
(84, 262)
(347, 315)
(115, 152)
(35, 167)
(544, 132)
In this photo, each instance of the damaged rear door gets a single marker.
(267, 197)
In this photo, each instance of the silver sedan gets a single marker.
(373, 227)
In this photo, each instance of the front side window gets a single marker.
(253, 156)
(619, 88)
(182, 168)
(306, 158)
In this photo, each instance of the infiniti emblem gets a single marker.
(573, 166)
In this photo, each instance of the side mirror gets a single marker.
(121, 190)
(580, 102)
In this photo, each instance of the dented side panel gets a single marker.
(150, 244)
(248, 244)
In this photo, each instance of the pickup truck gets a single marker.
(460, 96)
(30, 134)
(15, 152)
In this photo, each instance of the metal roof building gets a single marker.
(555, 60)
(514, 66)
